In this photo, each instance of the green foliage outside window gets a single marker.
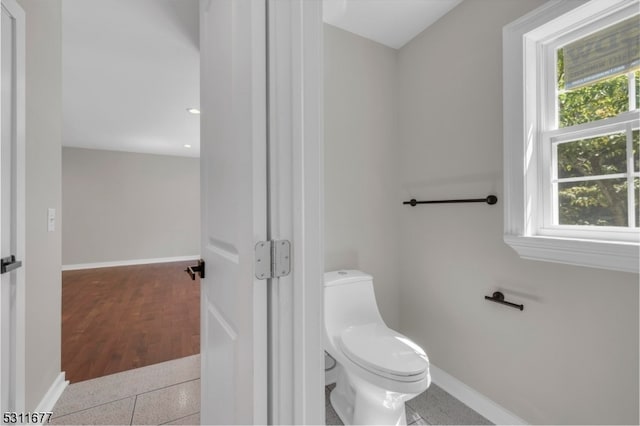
(601, 202)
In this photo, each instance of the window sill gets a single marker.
(594, 254)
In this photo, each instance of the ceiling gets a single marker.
(131, 67)
(390, 22)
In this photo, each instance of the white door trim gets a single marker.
(17, 345)
(296, 153)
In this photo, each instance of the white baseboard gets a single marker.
(474, 399)
(80, 266)
(53, 394)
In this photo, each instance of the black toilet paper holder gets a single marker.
(498, 297)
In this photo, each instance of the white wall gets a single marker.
(361, 203)
(122, 206)
(43, 135)
(572, 355)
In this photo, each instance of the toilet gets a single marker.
(377, 369)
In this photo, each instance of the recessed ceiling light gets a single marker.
(193, 111)
(187, 146)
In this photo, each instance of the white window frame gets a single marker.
(526, 157)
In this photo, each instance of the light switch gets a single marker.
(51, 220)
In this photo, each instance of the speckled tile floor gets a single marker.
(169, 393)
(165, 393)
(432, 407)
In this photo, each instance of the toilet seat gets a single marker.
(384, 352)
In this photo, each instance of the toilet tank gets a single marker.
(349, 300)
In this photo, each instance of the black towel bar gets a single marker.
(490, 199)
(498, 297)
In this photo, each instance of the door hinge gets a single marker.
(273, 259)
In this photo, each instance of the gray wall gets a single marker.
(361, 205)
(43, 135)
(122, 206)
(572, 355)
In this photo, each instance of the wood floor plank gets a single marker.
(117, 319)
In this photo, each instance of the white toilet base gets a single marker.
(359, 402)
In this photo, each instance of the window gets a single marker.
(571, 128)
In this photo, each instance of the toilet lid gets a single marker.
(379, 349)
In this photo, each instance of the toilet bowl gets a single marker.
(378, 369)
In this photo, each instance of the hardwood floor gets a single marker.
(117, 319)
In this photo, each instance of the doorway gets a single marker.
(299, 210)
(130, 184)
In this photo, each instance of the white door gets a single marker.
(12, 207)
(234, 211)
